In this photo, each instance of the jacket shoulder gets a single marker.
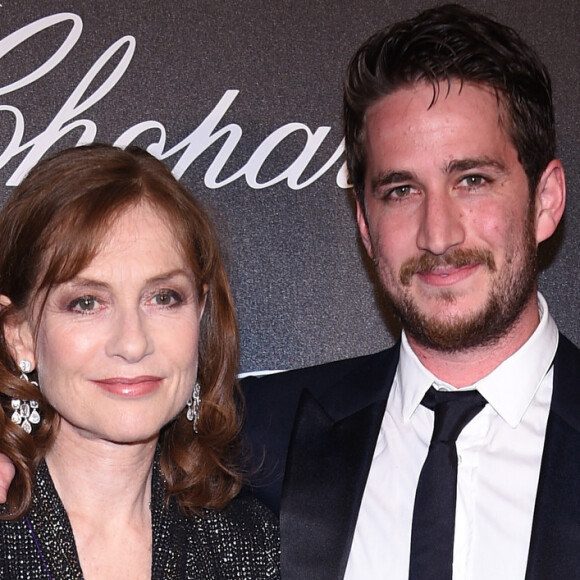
(566, 396)
(317, 378)
(272, 403)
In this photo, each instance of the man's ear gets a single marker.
(363, 227)
(18, 334)
(550, 200)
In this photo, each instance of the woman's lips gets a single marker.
(129, 387)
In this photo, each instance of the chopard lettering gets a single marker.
(73, 115)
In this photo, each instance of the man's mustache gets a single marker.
(455, 258)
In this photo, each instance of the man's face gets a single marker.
(449, 221)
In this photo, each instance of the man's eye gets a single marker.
(473, 180)
(400, 192)
(84, 304)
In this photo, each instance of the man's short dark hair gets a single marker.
(453, 43)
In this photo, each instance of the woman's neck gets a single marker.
(100, 481)
(106, 491)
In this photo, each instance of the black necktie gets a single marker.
(434, 513)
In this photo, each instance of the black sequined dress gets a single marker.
(238, 542)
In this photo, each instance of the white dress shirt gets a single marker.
(499, 453)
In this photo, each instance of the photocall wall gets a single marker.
(242, 100)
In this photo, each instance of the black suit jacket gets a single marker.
(314, 433)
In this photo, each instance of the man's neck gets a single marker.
(466, 367)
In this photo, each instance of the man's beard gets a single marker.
(510, 292)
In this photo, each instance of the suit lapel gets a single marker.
(555, 537)
(329, 458)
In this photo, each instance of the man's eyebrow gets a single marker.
(390, 177)
(475, 163)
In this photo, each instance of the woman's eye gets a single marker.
(84, 304)
(167, 298)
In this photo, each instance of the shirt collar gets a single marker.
(509, 388)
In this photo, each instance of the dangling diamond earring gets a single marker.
(25, 412)
(193, 404)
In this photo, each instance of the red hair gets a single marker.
(51, 228)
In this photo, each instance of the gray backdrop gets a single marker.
(243, 101)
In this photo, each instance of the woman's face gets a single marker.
(116, 351)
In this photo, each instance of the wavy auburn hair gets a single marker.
(51, 229)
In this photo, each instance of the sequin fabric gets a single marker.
(239, 542)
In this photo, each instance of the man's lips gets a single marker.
(447, 275)
(448, 269)
(130, 386)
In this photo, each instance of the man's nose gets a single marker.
(441, 226)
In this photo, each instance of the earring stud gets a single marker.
(25, 366)
(193, 405)
(25, 413)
